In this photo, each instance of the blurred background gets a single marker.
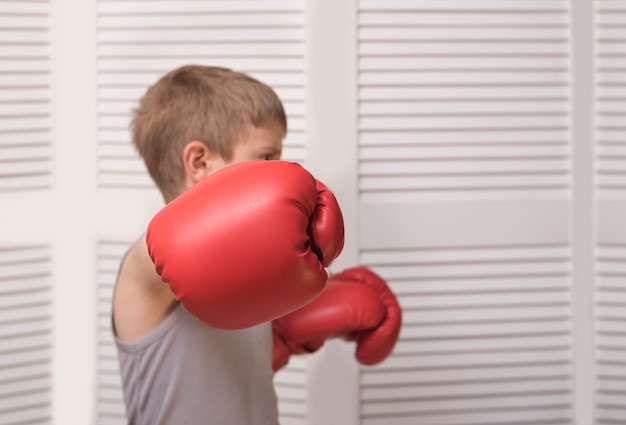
(477, 148)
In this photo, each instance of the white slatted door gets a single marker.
(464, 179)
(610, 146)
(464, 196)
(138, 41)
(26, 254)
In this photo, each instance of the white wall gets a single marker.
(457, 136)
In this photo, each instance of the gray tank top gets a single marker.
(186, 373)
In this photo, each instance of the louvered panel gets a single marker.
(25, 125)
(463, 100)
(486, 337)
(610, 92)
(26, 333)
(291, 389)
(610, 183)
(139, 41)
(610, 327)
(110, 399)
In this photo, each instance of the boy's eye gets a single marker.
(267, 157)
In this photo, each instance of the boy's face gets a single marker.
(265, 142)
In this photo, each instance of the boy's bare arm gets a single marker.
(142, 300)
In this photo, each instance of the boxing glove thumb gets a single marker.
(326, 227)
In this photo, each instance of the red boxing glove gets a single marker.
(357, 305)
(248, 243)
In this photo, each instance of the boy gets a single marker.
(177, 367)
(191, 123)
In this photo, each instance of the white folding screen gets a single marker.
(465, 180)
(464, 140)
(610, 183)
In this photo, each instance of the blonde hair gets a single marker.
(210, 104)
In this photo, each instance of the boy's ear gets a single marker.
(197, 161)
